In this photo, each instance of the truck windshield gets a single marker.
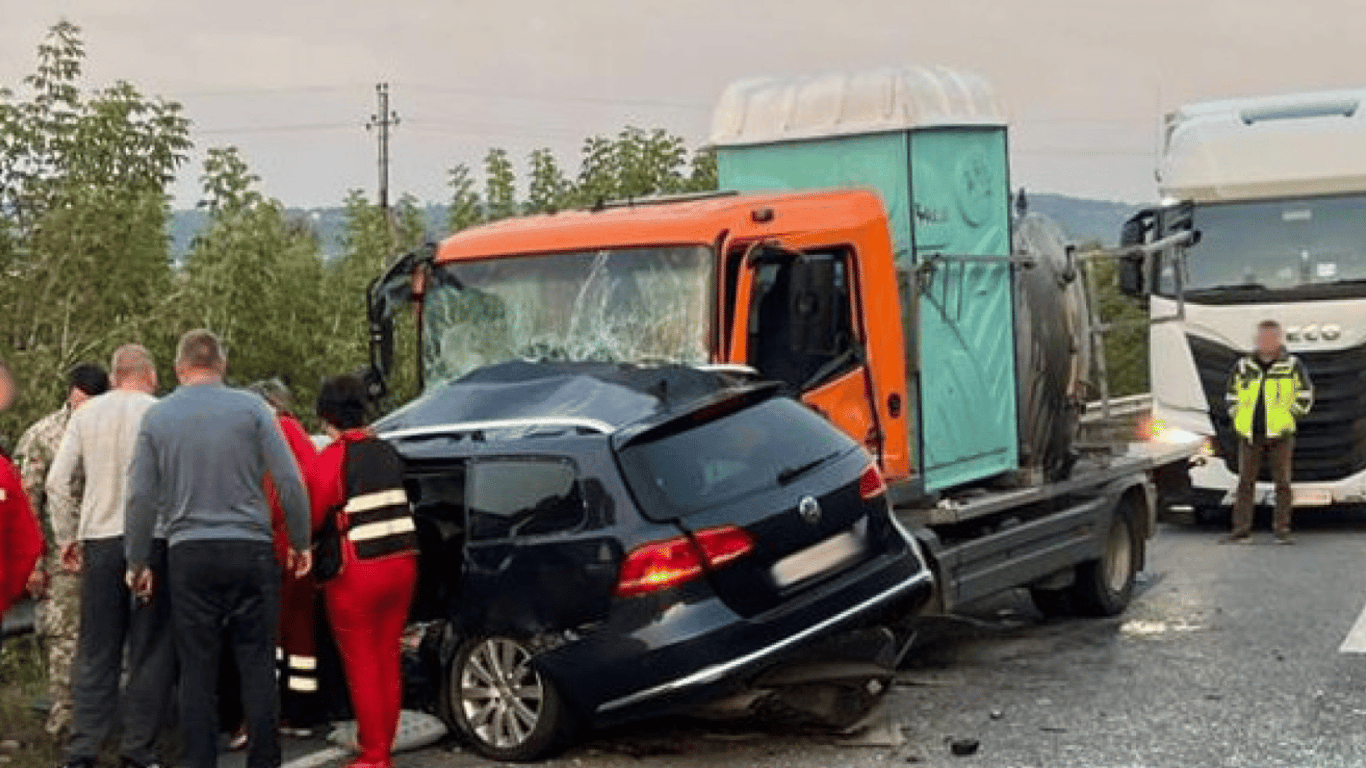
(632, 304)
(1278, 245)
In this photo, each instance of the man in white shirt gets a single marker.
(99, 444)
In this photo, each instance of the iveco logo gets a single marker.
(809, 509)
(1329, 332)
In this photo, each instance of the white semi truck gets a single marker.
(1273, 193)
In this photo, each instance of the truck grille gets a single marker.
(1331, 440)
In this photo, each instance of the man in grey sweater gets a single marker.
(202, 457)
(98, 445)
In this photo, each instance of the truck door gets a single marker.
(801, 328)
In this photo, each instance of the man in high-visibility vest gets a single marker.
(1268, 391)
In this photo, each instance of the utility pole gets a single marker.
(380, 122)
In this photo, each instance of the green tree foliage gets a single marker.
(83, 210)
(465, 209)
(500, 185)
(1126, 345)
(255, 277)
(548, 189)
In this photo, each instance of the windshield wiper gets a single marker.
(1229, 288)
(792, 473)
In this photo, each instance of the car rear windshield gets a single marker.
(763, 446)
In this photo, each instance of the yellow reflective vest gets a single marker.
(1284, 386)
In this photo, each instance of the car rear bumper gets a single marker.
(716, 652)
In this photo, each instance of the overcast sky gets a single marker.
(291, 82)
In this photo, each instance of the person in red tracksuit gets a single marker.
(21, 538)
(368, 601)
(298, 649)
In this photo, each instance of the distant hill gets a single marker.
(1083, 219)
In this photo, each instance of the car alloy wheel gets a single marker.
(502, 696)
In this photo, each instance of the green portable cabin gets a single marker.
(932, 142)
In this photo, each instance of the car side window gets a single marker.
(508, 497)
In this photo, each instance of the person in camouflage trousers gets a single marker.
(58, 617)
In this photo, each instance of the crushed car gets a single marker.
(603, 543)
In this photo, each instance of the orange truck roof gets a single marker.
(685, 221)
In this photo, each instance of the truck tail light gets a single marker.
(870, 484)
(664, 564)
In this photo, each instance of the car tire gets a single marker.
(1105, 586)
(501, 705)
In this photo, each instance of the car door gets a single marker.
(536, 559)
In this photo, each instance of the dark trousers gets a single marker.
(225, 596)
(111, 620)
(1251, 454)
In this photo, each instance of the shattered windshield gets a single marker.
(632, 304)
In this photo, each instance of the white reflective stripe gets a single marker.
(382, 528)
(376, 500)
(279, 654)
(303, 685)
(303, 663)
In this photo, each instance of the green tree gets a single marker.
(702, 176)
(500, 185)
(465, 210)
(83, 211)
(548, 189)
(255, 277)
(1126, 346)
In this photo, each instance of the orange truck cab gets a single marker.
(690, 281)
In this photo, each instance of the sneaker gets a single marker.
(1284, 538)
(238, 741)
(1232, 539)
(129, 762)
(292, 732)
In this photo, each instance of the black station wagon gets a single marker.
(602, 543)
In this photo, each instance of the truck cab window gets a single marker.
(522, 497)
(801, 329)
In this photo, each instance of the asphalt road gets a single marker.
(1229, 656)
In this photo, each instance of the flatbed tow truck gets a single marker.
(868, 256)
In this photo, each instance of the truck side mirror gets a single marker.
(811, 309)
(1133, 281)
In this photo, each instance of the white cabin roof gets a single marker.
(767, 110)
(1294, 145)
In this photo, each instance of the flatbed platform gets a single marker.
(1092, 471)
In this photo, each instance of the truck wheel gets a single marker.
(1104, 586)
(498, 701)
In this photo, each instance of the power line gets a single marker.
(604, 100)
(286, 128)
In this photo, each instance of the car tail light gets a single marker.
(724, 544)
(663, 564)
(871, 485)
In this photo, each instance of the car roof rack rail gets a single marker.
(497, 425)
